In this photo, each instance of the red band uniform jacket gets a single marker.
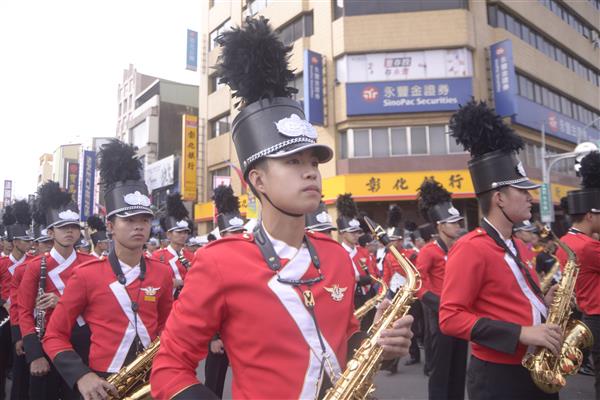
(59, 271)
(587, 286)
(107, 307)
(8, 266)
(393, 274)
(269, 335)
(483, 302)
(431, 264)
(168, 256)
(15, 282)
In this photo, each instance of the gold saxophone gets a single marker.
(547, 370)
(131, 380)
(374, 301)
(356, 382)
(546, 280)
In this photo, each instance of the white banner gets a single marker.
(160, 173)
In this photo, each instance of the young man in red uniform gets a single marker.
(490, 295)
(447, 356)
(18, 232)
(99, 237)
(177, 227)
(62, 219)
(280, 298)
(584, 209)
(125, 298)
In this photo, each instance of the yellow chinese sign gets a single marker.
(189, 155)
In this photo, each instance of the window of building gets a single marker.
(224, 171)
(214, 84)
(360, 7)
(219, 126)
(212, 40)
(253, 7)
(301, 26)
(501, 18)
(397, 141)
(569, 17)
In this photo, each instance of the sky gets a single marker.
(62, 62)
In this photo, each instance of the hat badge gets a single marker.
(323, 217)
(236, 221)
(453, 211)
(294, 126)
(44, 232)
(137, 199)
(520, 169)
(68, 215)
(182, 224)
(353, 223)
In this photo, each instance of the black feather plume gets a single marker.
(254, 62)
(225, 201)
(118, 162)
(22, 212)
(175, 207)
(394, 216)
(431, 192)
(39, 217)
(480, 130)
(96, 223)
(8, 218)
(590, 171)
(52, 196)
(411, 226)
(346, 206)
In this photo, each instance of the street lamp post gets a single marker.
(548, 161)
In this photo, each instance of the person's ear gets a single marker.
(256, 179)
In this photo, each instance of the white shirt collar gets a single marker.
(282, 249)
(171, 250)
(508, 241)
(15, 261)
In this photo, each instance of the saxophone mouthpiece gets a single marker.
(377, 230)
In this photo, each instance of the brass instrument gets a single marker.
(374, 301)
(40, 315)
(546, 280)
(547, 370)
(131, 379)
(356, 382)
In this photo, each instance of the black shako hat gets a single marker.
(57, 205)
(125, 194)
(587, 199)
(254, 63)
(394, 220)
(319, 220)
(99, 235)
(229, 218)
(347, 220)
(493, 146)
(21, 228)
(177, 216)
(435, 203)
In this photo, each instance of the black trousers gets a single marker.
(427, 332)
(5, 352)
(215, 371)
(20, 381)
(491, 381)
(416, 310)
(593, 322)
(448, 361)
(50, 387)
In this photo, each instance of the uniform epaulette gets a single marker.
(91, 261)
(478, 232)
(320, 236)
(245, 237)
(87, 257)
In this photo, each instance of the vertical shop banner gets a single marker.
(7, 192)
(87, 177)
(313, 87)
(72, 178)
(192, 50)
(189, 157)
(504, 79)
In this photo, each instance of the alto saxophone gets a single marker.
(133, 378)
(547, 370)
(374, 301)
(356, 382)
(40, 315)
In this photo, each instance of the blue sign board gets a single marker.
(504, 79)
(313, 87)
(192, 50)
(407, 96)
(86, 189)
(533, 115)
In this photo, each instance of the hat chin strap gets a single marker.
(281, 210)
(506, 216)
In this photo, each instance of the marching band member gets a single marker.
(320, 221)
(177, 227)
(490, 294)
(99, 237)
(448, 355)
(125, 298)
(280, 296)
(62, 219)
(584, 210)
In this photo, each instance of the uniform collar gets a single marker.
(15, 261)
(171, 250)
(282, 249)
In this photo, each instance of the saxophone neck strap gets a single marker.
(118, 271)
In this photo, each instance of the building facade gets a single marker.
(393, 73)
(133, 84)
(45, 169)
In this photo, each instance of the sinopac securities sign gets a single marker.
(407, 96)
